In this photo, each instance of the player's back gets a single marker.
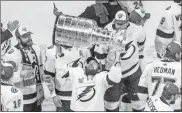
(163, 72)
(130, 60)
(167, 22)
(11, 98)
(157, 104)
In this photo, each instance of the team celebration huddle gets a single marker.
(95, 62)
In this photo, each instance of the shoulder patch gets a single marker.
(168, 8)
(11, 51)
(50, 47)
(14, 90)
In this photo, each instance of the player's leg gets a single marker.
(111, 97)
(132, 87)
(36, 108)
(28, 107)
(66, 105)
(125, 103)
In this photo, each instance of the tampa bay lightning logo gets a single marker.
(85, 93)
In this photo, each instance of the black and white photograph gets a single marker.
(91, 56)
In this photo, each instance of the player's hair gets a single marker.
(166, 95)
(170, 55)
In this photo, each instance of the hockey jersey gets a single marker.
(27, 85)
(11, 98)
(157, 105)
(88, 94)
(155, 77)
(56, 65)
(135, 39)
(169, 27)
(131, 5)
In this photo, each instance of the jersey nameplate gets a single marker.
(164, 70)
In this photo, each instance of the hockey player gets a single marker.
(89, 85)
(130, 67)
(6, 35)
(57, 60)
(160, 72)
(102, 12)
(169, 27)
(11, 97)
(131, 5)
(169, 95)
(26, 58)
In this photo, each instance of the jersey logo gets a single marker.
(120, 16)
(14, 90)
(11, 51)
(86, 93)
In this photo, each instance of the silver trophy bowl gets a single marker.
(79, 32)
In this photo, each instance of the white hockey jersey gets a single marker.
(27, 85)
(155, 77)
(157, 105)
(11, 98)
(135, 37)
(56, 65)
(88, 94)
(169, 28)
(131, 5)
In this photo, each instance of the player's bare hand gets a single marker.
(13, 25)
(57, 101)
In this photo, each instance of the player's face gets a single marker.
(120, 25)
(141, 22)
(173, 98)
(92, 68)
(26, 40)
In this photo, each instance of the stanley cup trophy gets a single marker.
(79, 32)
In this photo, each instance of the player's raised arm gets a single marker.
(115, 74)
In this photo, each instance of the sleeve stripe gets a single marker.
(29, 96)
(100, 56)
(63, 93)
(141, 43)
(142, 90)
(109, 81)
(49, 73)
(126, 71)
(164, 35)
(12, 63)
